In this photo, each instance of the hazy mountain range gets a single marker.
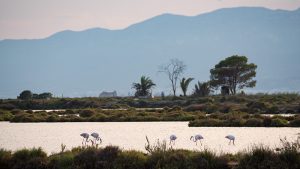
(87, 62)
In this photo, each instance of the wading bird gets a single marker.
(85, 138)
(96, 138)
(231, 138)
(197, 138)
(172, 139)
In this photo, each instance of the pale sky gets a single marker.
(31, 19)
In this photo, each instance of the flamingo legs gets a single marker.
(84, 141)
(199, 141)
(232, 142)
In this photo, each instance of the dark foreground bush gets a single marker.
(209, 160)
(5, 158)
(285, 157)
(93, 158)
(295, 123)
(159, 156)
(206, 123)
(260, 158)
(254, 122)
(29, 159)
(61, 160)
(277, 122)
(131, 160)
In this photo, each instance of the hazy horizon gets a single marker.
(34, 19)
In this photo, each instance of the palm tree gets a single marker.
(184, 84)
(202, 89)
(144, 87)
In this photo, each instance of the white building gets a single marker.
(108, 94)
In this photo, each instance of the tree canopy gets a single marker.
(25, 95)
(202, 89)
(233, 72)
(174, 69)
(144, 87)
(184, 84)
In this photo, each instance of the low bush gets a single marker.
(206, 123)
(277, 122)
(158, 156)
(209, 160)
(131, 160)
(262, 158)
(61, 161)
(5, 158)
(5, 116)
(86, 113)
(92, 158)
(254, 122)
(29, 159)
(295, 122)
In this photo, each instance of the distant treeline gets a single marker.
(158, 156)
(196, 118)
(257, 103)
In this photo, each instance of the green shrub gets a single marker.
(208, 160)
(255, 107)
(216, 115)
(107, 157)
(254, 122)
(289, 153)
(52, 118)
(176, 159)
(23, 117)
(16, 111)
(260, 158)
(295, 123)
(267, 121)
(176, 108)
(233, 122)
(61, 161)
(273, 110)
(69, 111)
(205, 123)
(277, 122)
(5, 158)
(5, 116)
(86, 159)
(29, 159)
(195, 107)
(100, 117)
(86, 113)
(211, 108)
(131, 160)
(92, 158)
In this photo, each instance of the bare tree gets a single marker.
(174, 69)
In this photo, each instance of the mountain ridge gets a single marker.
(84, 63)
(160, 15)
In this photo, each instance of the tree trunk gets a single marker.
(174, 91)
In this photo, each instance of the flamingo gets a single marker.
(196, 138)
(85, 138)
(96, 138)
(172, 139)
(231, 138)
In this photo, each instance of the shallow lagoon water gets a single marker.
(131, 135)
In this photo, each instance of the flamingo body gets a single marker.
(230, 138)
(172, 138)
(96, 137)
(85, 138)
(197, 138)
